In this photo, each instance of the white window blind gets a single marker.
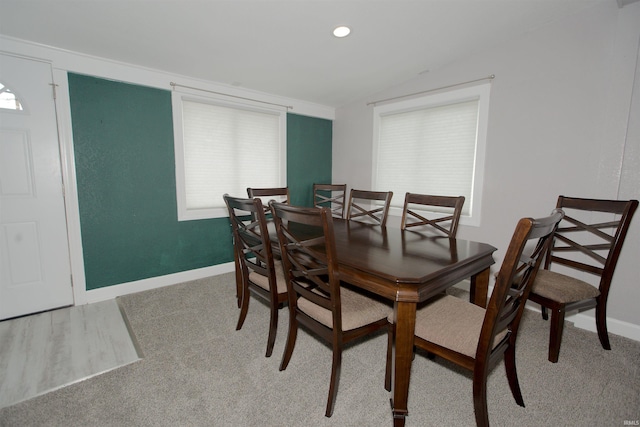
(225, 149)
(433, 145)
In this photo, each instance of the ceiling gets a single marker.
(283, 47)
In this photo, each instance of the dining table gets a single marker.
(408, 267)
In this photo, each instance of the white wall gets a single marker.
(626, 297)
(558, 124)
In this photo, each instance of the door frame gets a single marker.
(68, 166)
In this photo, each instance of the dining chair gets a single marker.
(259, 274)
(279, 194)
(369, 206)
(583, 243)
(443, 212)
(330, 196)
(317, 299)
(476, 338)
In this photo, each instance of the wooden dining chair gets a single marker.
(443, 212)
(317, 300)
(369, 206)
(259, 274)
(279, 194)
(330, 196)
(597, 245)
(476, 338)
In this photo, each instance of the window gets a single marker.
(8, 99)
(224, 148)
(433, 145)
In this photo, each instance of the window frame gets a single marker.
(480, 92)
(177, 98)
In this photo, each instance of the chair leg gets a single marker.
(480, 400)
(335, 379)
(512, 374)
(601, 325)
(291, 340)
(555, 336)
(545, 314)
(273, 327)
(244, 307)
(387, 373)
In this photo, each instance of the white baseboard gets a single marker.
(110, 292)
(614, 326)
(588, 322)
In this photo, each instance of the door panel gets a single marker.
(34, 254)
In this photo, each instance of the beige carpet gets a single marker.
(199, 371)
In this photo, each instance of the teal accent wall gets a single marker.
(308, 156)
(125, 171)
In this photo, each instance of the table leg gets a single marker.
(480, 288)
(405, 321)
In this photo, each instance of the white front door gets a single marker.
(34, 251)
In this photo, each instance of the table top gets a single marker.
(406, 257)
(402, 256)
(384, 259)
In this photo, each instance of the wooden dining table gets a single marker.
(408, 267)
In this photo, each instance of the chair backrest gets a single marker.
(279, 194)
(597, 242)
(513, 284)
(251, 238)
(330, 196)
(444, 214)
(369, 206)
(309, 259)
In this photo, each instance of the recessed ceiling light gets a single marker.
(341, 31)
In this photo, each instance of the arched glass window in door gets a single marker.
(8, 99)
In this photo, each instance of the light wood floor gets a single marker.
(46, 351)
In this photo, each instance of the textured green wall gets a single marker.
(125, 170)
(308, 156)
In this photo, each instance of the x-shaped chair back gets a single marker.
(369, 206)
(330, 196)
(444, 212)
(279, 194)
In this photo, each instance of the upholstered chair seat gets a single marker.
(561, 288)
(357, 310)
(453, 323)
(263, 281)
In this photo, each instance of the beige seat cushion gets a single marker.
(453, 323)
(561, 288)
(263, 281)
(357, 310)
